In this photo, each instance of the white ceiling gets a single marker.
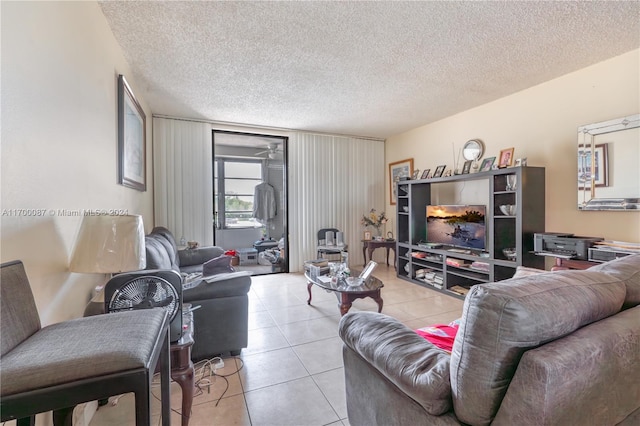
(357, 68)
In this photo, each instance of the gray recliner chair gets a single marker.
(221, 324)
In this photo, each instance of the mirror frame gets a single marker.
(590, 131)
(471, 146)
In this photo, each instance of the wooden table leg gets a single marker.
(364, 253)
(378, 300)
(309, 285)
(345, 303)
(185, 378)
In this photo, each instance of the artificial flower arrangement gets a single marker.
(374, 219)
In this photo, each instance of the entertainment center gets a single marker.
(451, 262)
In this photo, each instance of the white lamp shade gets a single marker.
(109, 245)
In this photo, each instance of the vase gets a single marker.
(378, 232)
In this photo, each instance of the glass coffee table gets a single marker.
(345, 293)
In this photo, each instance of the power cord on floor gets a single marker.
(205, 370)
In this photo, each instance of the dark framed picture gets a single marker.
(506, 158)
(398, 170)
(439, 171)
(132, 137)
(467, 167)
(425, 174)
(599, 175)
(486, 164)
(415, 174)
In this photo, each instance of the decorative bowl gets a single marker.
(510, 253)
(508, 209)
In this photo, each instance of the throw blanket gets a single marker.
(441, 335)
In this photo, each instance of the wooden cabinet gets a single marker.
(455, 269)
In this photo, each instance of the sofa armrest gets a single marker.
(414, 365)
(198, 256)
(217, 286)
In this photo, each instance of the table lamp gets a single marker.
(108, 245)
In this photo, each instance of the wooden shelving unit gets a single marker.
(503, 231)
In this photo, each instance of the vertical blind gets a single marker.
(183, 178)
(333, 181)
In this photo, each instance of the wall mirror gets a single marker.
(609, 165)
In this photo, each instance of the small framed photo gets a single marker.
(521, 162)
(367, 235)
(439, 171)
(506, 158)
(466, 168)
(425, 174)
(415, 174)
(486, 164)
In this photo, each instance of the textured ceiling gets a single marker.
(358, 68)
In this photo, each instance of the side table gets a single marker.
(182, 370)
(368, 246)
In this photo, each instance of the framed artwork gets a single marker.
(415, 174)
(506, 158)
(467, 167)
(132, 136)
(398, 170)
(425, 174)
(486, 164)
(439, 171)
(521, 162)
(600, 163)
(367, 235)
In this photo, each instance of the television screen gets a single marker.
(459, 225)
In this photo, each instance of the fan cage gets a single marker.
(145, 293)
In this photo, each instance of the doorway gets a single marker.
(250, 199)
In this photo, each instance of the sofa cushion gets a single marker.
(606, 354)
(157, 256)
(500, 321)
(626, 269)
(411, 363)
(217, 265)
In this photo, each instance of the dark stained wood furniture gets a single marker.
(368, 247)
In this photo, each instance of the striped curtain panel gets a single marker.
(183, 179)
(333, 181)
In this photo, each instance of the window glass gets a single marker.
(236, 182)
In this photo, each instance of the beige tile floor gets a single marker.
(291, 373)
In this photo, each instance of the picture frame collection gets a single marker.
(503, 160)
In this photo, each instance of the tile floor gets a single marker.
(291, 372)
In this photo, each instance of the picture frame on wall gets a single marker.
(132, 136)
(397, 171)
(425, 174)
(487, 163)
(600, 162)
(506, 158)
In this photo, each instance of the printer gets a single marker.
(567, 246)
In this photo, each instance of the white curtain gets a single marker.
(333, 181)
(183, 187)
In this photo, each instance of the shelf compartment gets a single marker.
(479, 277)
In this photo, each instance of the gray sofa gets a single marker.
(221, 324)
(556, 348)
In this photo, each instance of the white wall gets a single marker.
(541, 123)
(60, 64)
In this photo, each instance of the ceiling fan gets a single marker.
(271, 151)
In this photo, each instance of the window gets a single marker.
(234, 182)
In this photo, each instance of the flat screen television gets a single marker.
(457, 225)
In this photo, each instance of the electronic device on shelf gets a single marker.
(563, 245)
(457, 225)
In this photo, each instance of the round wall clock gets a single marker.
(473, 150)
